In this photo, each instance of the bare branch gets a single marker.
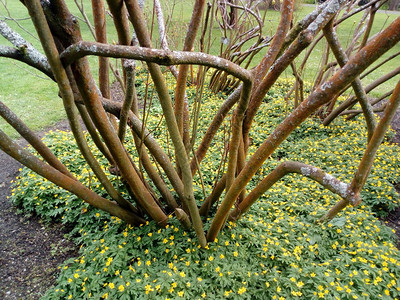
(162, 32)
(33, 139)
(81, 49)
(62, 180)
(364, 168)
(359, 62)
(285, 168)
(26, 52)
(359, 91)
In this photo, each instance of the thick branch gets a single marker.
(364, 168)
(359, 62)
(25, 52)
(33, 139)
(304, 39)
(21, 55)
(81, 49)
(138, 21)
(288, 167)
(277, 42)
(64, 25)
(62, 180)
(46, 38)
(101, 37)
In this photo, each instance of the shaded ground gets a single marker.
(393, 219)
(30, 251)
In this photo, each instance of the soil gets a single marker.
(31, 251)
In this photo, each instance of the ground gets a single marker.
(31, 251)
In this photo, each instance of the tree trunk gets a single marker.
(394, 4)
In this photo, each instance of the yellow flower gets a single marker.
(226, 294)
(241, 290)
(111, 285)
(121, 288)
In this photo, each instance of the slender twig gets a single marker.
(359, 91)
(368, 158)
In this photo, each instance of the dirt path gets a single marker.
(29, 250)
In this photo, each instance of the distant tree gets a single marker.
(65, 61)
(394, 4)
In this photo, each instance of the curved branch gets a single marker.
(304, 40)
(364, 168)
(33, 139)
(277, 42)
(25, 57)
(162, 57)
(62, 180)
(37, 59)
(358, 63)
(288, 167)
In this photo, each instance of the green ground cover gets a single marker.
(276, 251)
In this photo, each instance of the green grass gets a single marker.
(29, 93)
(34, 99)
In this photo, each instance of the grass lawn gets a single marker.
(34, 98)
